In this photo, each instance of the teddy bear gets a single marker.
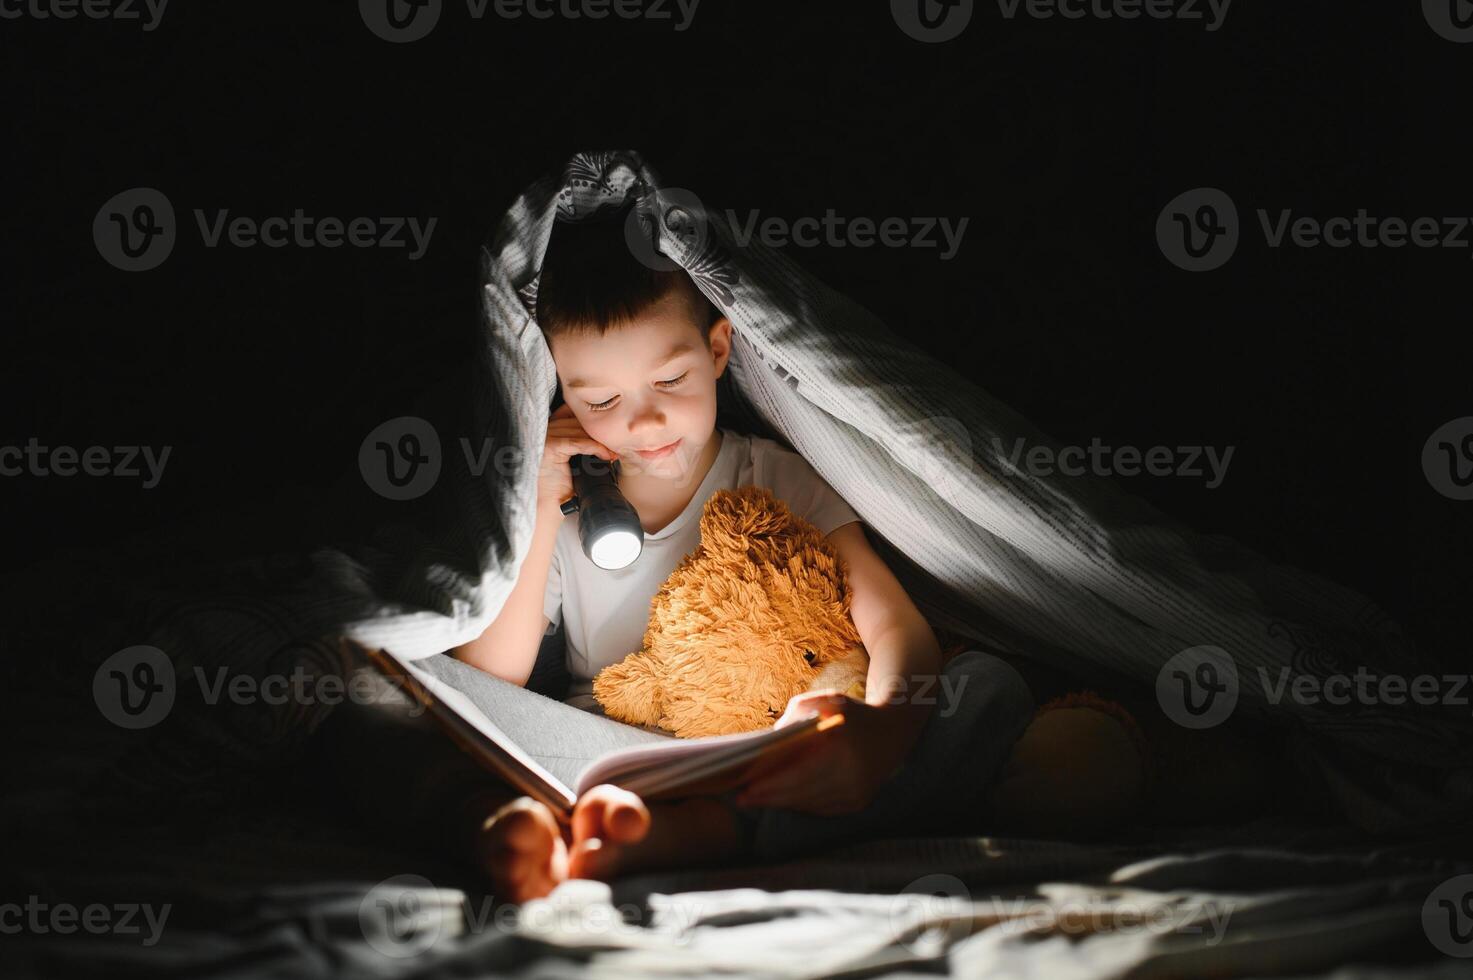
(758, 612)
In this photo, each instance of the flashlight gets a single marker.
(608, 525)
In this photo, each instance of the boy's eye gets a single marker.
(605, 405)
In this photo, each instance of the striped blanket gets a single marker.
(1066, 570)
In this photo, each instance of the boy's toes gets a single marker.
(610, 814)
(593, 858)
(522, 851)
(605, 822)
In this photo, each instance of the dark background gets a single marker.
(1061, 141)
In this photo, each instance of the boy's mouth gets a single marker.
(665, 450)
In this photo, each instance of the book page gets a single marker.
(477, 734)
(647, 764)
(672, 766)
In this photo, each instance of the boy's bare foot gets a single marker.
(526, 853)
(693, 831)
(1073, 772)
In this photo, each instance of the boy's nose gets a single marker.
(648, 420)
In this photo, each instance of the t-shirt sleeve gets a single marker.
(798, 485)
(552, 597)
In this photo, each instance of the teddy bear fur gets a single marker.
(757, 613)
(726, 648)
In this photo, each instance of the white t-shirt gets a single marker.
(607, 612)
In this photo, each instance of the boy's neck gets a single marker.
(658, 501)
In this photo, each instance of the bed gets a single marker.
(254, 872)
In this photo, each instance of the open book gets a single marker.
(661, 770)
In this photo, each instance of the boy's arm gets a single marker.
(902, 647)
(508, 648)
(843, 773)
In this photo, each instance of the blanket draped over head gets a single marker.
(1067, 570)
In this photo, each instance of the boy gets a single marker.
(638, 353)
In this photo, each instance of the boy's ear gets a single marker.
(721, 343)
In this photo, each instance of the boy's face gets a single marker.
(630, 394)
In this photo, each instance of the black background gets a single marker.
(1061, 141)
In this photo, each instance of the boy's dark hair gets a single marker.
(592, 281)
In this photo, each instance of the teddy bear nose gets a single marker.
(809, 656)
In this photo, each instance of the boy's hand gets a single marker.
(840, 770)
(566, 438)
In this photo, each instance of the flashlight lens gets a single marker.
(615, 549)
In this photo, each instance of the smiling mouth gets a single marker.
(656, 453)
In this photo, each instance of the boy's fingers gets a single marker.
(573, 433)
(826, 702)
(595, 449)
(800, 706)
(566, 450)
(575, 446)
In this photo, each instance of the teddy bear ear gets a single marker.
(745, 512)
